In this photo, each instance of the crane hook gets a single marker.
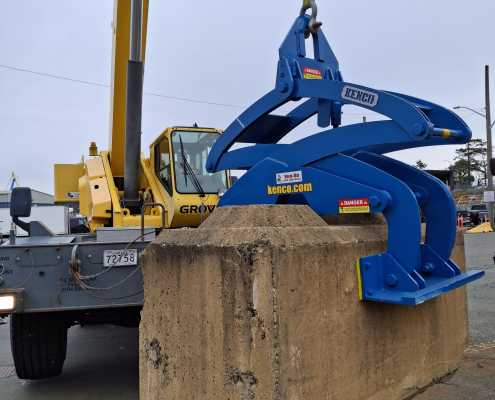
(314, 25)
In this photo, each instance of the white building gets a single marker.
(39, 199)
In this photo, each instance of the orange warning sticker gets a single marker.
(354, 206)
(312, 73)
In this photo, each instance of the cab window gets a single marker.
(190, 150)
(162, 164)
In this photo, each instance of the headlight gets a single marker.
(11, 301)
(7, 302)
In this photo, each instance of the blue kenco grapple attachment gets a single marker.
(343, 170)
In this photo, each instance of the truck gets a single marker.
(51, 281)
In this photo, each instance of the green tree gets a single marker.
(462, 173)
(470, 163)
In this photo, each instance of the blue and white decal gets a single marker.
(360, 96)
(289, 177)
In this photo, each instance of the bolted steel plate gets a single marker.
(7, 372)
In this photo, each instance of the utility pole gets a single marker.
(489, 143)
(469, 164)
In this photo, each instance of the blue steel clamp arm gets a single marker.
(344, 170)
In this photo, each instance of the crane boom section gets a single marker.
(120, 56)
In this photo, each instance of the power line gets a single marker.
(46, 75)
(189, 100)
(98, 84)
(152, 94)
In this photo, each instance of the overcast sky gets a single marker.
(220, 51)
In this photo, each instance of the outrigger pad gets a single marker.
(343, 170)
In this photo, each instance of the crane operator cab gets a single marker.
(175, 189)
(179, 159)
(185, 171)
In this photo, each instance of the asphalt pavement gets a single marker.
(480, 250)
(102, 361)
(475, 378)
(473, 381)
(102, 364)
(481, 296)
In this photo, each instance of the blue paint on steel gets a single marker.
(348, 163)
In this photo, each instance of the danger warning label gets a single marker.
(312, 73)
(354, 206)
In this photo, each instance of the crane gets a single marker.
(51, 282)
(125, 196)
(170, 186)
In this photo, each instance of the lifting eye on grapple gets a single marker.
(343, 170)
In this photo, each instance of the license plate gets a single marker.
(120, 258)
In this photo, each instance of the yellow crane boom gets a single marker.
(121, 187)
(121, 51)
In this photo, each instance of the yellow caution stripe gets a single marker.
(447, 134)
(360, 280)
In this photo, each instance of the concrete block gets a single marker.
(261, 303)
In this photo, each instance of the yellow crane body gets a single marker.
(174, 187)
(93, 186)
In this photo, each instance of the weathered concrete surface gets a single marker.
(261, 303)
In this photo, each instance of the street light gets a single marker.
(489, 126)
(473, 110)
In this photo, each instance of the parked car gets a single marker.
(478, 213)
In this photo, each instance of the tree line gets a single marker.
(469, 167)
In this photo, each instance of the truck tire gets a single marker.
(39, 345)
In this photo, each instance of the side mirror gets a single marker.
(492, 165)
(20, 203)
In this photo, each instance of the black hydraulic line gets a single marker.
(134, 107)
(133, 133)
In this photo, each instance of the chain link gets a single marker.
(314, 25)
